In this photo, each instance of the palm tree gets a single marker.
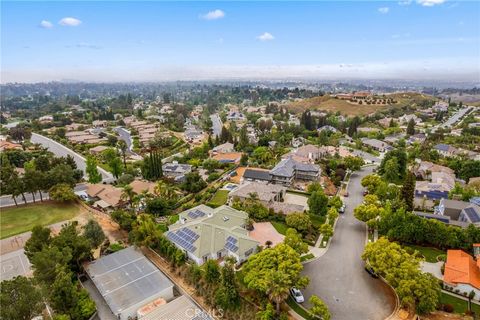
(128, 194)
(252, 198)
(164, 190)
(147, 231)
(122, 146)
(278, 288)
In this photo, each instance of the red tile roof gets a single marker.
(461, 268)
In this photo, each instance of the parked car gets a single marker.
(346, 194)
(297, 295)
(342, 209)
(371, 272)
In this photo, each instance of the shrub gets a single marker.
(213, 176)
(447, 308)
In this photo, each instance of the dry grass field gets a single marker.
(329, 103)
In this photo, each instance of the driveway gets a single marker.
(339, 278)
(264, 231)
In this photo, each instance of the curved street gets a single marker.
(61, 151)
(339, 278)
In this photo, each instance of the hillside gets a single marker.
(329, 103)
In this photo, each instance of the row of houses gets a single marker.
(451, 151)
(89, 136)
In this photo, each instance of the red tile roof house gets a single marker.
(462, 271)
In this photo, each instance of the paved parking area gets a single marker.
(14, 264)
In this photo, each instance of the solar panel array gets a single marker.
(472, 215)
(196, 213)
(230, 244)
(185, 238)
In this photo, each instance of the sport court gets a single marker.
(14, 264)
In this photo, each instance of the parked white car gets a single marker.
(297, 295)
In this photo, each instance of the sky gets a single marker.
(157, 41)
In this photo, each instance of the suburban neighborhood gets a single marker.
(169, 160)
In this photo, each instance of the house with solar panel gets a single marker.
(176, 171)
(462, 211)
(205, 233)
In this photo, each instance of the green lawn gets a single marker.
(307, 257)
(15, 220)
(280, 227)
(297, 308)
(459, 305)
(429, 253)
(219, 198)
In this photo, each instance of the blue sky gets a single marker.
(118, 41)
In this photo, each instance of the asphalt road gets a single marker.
(339, 278)
(61, 151)
(216, 124)
(125, 135)
(7, 201)
(455, 118)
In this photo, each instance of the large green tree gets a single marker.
(62, 192)
(94, 233)
(39, 239)
(152, 166)
(317, 202)
(401, 161)
(274, 271)
(20, 299)
(227, 295)
(318, 309)
(408, 191)
(93, 175)
(294, 240)
(402, 271)
(299, 221)
(369, 211)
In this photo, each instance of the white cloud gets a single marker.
(213, 15)
(384, 10)
(266, 36)
(405, 2)
(70, 22)
(430, 3)
(46, 24)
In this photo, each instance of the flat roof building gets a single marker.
(127, 281)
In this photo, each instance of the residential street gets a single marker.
(7, 201)
(61, 151)
(216, 124)
(339, 278)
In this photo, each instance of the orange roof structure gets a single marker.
(107, 193)
(461, 268)
(6, 145)
(230, 157)
(239, 174)
(139, 186)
